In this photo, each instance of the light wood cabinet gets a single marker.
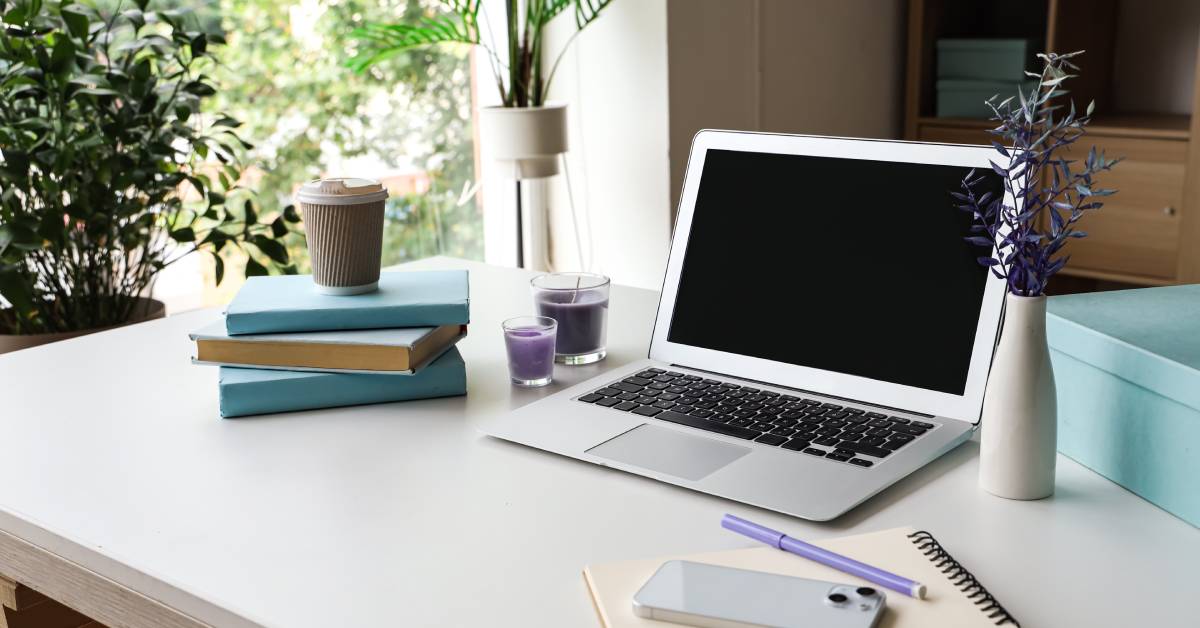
(1136, 233)
(1149, 232)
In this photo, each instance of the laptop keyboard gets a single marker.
(829, 430)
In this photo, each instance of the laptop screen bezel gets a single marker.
(965, 407)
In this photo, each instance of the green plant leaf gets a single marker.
(135, 16)
(186, 234)
(199, 88)
(15, 289)
(15, 15)
(278, 228)
(254, 269)
(218, 267)
(386, 40)
(552, 8)
(62, 56)
(586, 11)
(271, 248)
(249, 215)
(199, 44)
(97, 91)
(290, 214)
(77, 20)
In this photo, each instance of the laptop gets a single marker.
(824, 328)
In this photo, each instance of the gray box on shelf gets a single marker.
(982, 59)
(1127, 367)
(959, 98)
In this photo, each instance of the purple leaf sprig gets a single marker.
(1054, 192)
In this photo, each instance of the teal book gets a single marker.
(288, 303)
(246, 392)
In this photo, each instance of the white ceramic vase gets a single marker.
(525, 141)
(1020, 409)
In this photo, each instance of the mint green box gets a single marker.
(958, 98)
(982, 59)
(1127, 365)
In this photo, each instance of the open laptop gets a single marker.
(823, 331)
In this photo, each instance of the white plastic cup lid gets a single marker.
(341, 191)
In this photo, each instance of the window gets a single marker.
(405, 121)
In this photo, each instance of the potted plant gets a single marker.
(1018, 446)
(526, 134)
(109, 170)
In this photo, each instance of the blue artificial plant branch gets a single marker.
(1052, 191)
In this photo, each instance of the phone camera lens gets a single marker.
(837, 598)
(865, 591)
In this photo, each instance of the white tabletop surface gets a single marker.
(403, 514)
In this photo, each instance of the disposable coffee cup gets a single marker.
(343, 219)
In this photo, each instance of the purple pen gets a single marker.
(779, 540)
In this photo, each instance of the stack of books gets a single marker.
(284, 347)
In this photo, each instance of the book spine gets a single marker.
(260, 391)
(279, 321)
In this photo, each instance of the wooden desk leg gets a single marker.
(17, 596)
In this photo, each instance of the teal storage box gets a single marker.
(982, 59)
(1127, 365)
(968, 99)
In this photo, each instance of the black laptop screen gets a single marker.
(845, 265)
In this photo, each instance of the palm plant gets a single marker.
(520, 80)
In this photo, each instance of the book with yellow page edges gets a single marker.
(400, 351)
(953, 597)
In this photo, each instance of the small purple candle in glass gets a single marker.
(579, 302)
(530, 344)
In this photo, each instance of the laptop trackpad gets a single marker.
(688, 456)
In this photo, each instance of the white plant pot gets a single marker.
(1020, 432)
(525, 141)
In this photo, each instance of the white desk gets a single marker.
(402, 514)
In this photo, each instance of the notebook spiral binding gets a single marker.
(961, 578)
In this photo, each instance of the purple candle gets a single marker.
(530, 344)
(579, 302)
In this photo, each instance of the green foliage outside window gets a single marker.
(284, 74)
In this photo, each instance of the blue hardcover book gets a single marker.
(259, 391)
(286, 303)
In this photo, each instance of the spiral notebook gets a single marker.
(955, 599)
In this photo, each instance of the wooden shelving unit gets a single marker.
(1149, 232)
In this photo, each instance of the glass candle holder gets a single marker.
(579, 302)
(530, 343)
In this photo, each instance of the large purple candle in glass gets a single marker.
(579, 302)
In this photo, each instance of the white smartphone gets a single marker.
(696, 594)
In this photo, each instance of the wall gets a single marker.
(615, 78)
(650, 73)
(826, 67)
